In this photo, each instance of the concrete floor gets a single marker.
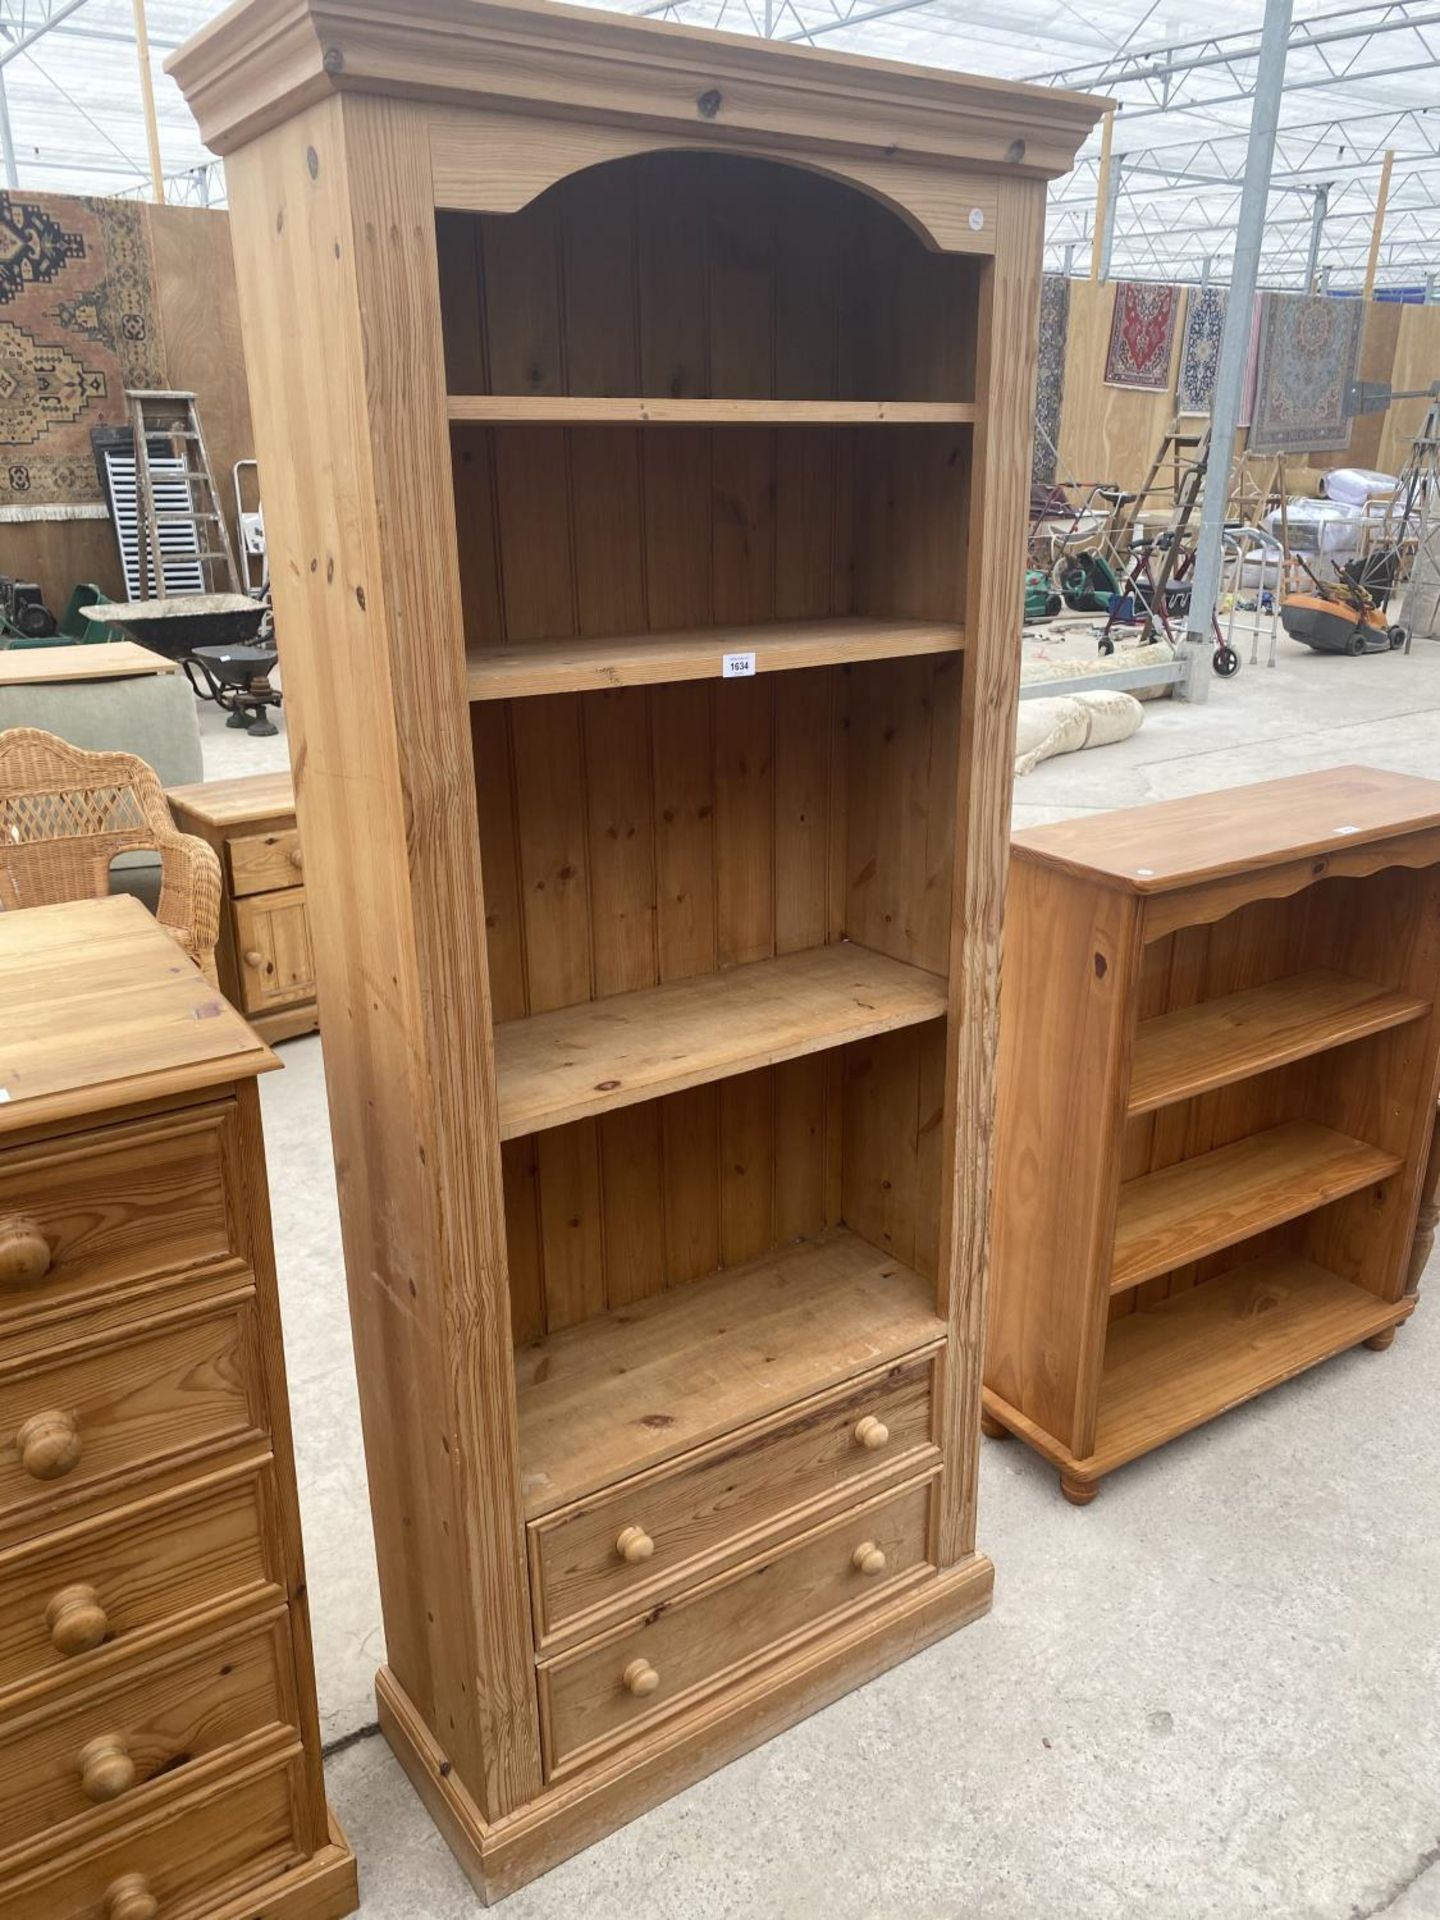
(1214, 1693)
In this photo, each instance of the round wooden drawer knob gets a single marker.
(634, 1545)
(49, 1445)
(24, 1252)
(76, 1620)
(640, 1678)
(106, 1769)
(130, 1898)
(868, 1558)
(297, 858)
(872, 1433)
(254, 957)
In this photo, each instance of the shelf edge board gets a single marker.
(1397, 1011)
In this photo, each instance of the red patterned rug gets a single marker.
(1142, 333)
(76, 328)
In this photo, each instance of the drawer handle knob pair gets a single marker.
(872, 1434)
(868, 1558)
(640, 1678)
(106, 1769)
(130, 1898)
(297, 857)
(49, 1444)
(634, 1545)
(77, 1621)
(24, 1251)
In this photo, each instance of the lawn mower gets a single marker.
(1338, 617)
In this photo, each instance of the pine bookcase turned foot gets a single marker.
(1078, 1492)
(1218, 1056)
(992, 1428)
(1378, 1342)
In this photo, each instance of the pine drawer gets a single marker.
(120, 1407)
(618, 1551)
(230, 1828)
(264, 862)
(611, 1688)
(62, 1766)
(80, 1597)
(91, 1212)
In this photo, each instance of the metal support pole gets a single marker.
(7, 137)
(147, 100)
(1068, 266)
(1205, 265)
(1102, 193)
(1317, 229)
(1112, 202)
(1382, 197)
(1432, 289)
(1234, 350)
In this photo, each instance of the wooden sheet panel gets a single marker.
(703, 274)
(601, 1213)
(649, 834)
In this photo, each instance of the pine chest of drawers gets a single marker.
(265, 959)
(159, 1744)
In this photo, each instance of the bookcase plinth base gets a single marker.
(502, 1856)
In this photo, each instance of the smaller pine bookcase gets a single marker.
(1218, 1071)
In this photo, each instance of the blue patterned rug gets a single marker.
(1309, 344)
(1200, 350)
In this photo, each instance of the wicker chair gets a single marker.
(64, 816)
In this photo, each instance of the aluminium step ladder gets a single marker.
(180, 522)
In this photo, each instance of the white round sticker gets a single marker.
(977, 219)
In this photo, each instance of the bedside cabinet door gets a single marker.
(272, 947)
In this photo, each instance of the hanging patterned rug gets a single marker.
(76, 328)
(1309, 344)
(1050, 375)
(1200, 350)
(1142, 333)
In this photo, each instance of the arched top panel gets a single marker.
(681, 274)
(499, 163)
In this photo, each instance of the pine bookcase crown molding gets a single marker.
(263, 60)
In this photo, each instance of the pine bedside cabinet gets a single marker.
(643, 417)
(159, 1747)
(264, 958)
(1218, 1069)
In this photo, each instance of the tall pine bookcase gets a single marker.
(644, 427)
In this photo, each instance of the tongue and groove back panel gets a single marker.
(649, 834)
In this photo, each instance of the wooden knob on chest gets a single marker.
(24, 1251)
(130, 1898)
(634, 1545)
(106, 1769)
(297, 857)
(49, 1444)
(640, 1678)
(76, 1620)
(253, 957)
(868, 1558)
(872, 1434)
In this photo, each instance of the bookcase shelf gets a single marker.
(1219, 1042)
(1200, 1206)
(571, 410)
(710, 1357)
(1172, 1366)
(602, 1054)
(1213, 1044)
(652, 659)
